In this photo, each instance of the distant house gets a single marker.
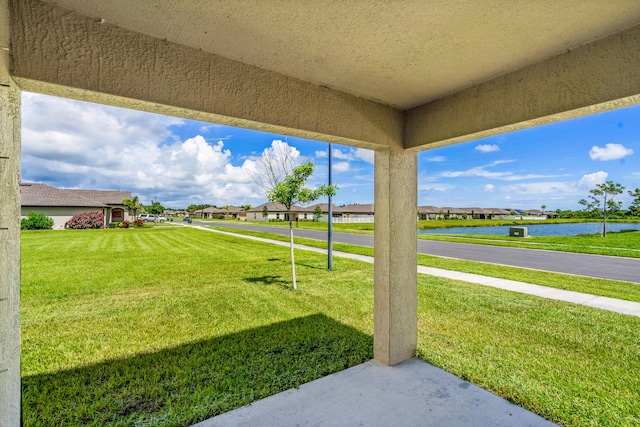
(336, 211)
(354, 213)
(233, 212)
(62, 204)
(278, 212)
(428, 212)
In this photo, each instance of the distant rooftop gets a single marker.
(37, 194)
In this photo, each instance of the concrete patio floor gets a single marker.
(411, 393)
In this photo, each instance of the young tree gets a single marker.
(265, 212)
(317, 212)
(132, 204)
(292, 190)
(601, 201)
(634, 208)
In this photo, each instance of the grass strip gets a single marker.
(595, 286)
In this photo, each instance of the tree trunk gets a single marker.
(604, 217)
(293, 263)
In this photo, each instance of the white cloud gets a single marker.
(436, 159)
(341, 167)
(442, 188)
(490, 188)
(536, 188)
(482, 172)
(487, 148)
(592, 179)
(365, 155)
(350, 154)
(557, 188)
(70, 144)
(475, 172)
(609, 152)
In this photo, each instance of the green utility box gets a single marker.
(518, 231)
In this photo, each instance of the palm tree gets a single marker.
(132, 205)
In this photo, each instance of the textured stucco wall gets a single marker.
(9, 234)
(88, 60)
(599, 76)
(395, 250)
(60, 215)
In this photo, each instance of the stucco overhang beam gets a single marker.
(62, 53)
(595, 77)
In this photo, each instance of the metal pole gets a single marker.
(330, 220)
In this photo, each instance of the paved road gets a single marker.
(606, 267)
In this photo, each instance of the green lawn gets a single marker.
(608, 288)
(169, 326)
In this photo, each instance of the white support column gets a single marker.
(395, 276)
(9, 234)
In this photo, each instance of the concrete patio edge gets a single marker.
(411, 393)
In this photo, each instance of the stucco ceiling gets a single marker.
(402, 53)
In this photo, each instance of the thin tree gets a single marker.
(265, 212)
(274, 164)
(292, 190)
(601, 201)
(132, 205)
(634, 208)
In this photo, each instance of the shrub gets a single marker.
(124, 224)
(138, 223)
(36, 221)
(114, 225)
(93, 219)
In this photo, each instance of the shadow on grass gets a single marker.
(187, 384)
(267, 280)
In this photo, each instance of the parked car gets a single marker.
(187, 218)
(148, 217)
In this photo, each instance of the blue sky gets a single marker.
(73, 144)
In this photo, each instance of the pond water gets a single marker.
(572, 229)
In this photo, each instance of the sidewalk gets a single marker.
(604, 303)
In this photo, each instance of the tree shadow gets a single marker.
(267, 280)
(195, 381)
(315, 267)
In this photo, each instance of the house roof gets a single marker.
(278, 207)
(358, 208)
(211, 209)
(428, 210)
(324, 207)
(37, 194)
(108, 197)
